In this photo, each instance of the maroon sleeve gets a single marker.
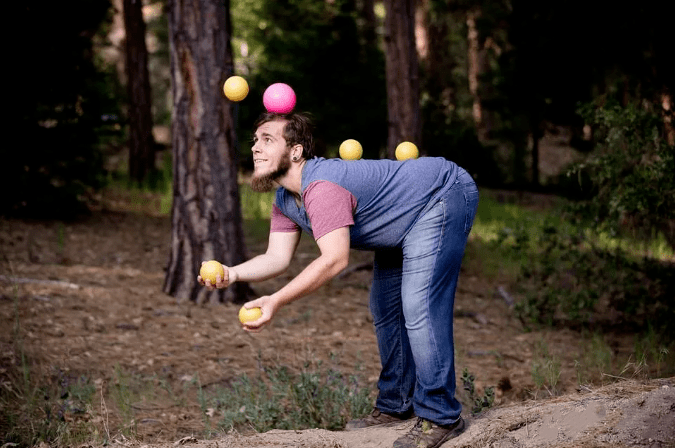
(329, 207)
(281, 223)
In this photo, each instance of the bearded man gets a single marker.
(415, 216)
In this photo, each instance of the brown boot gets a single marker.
(426, 434)
(377, 418)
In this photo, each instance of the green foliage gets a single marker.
(477, 402)
(545, 369)
(123, 395)
(54, 410)
(630, 183)
(595, 360)
(279, 398)
(568, 277)
(318, 48)
(649, 346)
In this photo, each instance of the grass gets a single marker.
(36, 407)
(596, 358)
(565, 273)
(545, 369)
(500, 221)
(315, 397)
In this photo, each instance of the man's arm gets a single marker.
(280, 250)
(334, 247)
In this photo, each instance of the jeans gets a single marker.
(412, 301)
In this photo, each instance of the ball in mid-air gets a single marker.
(249, 314)
(235, 88)
(210, 270)
(351, 150)
(279, 98)
(407, 150)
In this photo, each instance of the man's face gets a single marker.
(271, 156)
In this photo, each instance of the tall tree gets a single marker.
(402, 74)
(141, 142)
(206, 213)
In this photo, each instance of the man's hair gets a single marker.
(297, 130)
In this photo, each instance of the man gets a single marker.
(416, 216)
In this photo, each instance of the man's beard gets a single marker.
(265, 182)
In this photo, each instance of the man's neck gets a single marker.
(292, 180)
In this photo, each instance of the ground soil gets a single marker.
(86, 298)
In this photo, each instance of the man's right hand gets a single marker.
(220, 281)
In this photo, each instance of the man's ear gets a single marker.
(296, 152)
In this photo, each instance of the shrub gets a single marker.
(281, 399)
(629, 176)
(567, 278)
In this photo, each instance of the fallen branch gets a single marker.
(506, 296)
(39, 282)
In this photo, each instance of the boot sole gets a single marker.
(381, 425)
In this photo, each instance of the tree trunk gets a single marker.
(537, 134)
(141, 142)
(401, 74)
(475, 70)
(667, 112)
(206, 213)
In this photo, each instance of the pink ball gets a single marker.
(279, 98)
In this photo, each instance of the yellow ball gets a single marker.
(407, 150)
(235, 88)
(351, 150)
(210, 270)
(249, 315)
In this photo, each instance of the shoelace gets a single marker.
(416, 430)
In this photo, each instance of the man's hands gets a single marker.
(221, 282)
(268, 306)
(334, 247)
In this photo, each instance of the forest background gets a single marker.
(569, 99)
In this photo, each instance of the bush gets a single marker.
(567, 278)
(629, 176)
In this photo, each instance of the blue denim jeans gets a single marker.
(412, 301)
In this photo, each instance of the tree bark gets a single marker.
(206, 212)
(141, 142)
(667, 113)
(537, 134)
(475, 70)
(402, 76)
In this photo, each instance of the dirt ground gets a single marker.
(88, 299)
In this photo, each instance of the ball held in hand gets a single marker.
(210, 270)
(249, 314)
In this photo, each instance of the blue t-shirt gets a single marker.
(390, 195)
